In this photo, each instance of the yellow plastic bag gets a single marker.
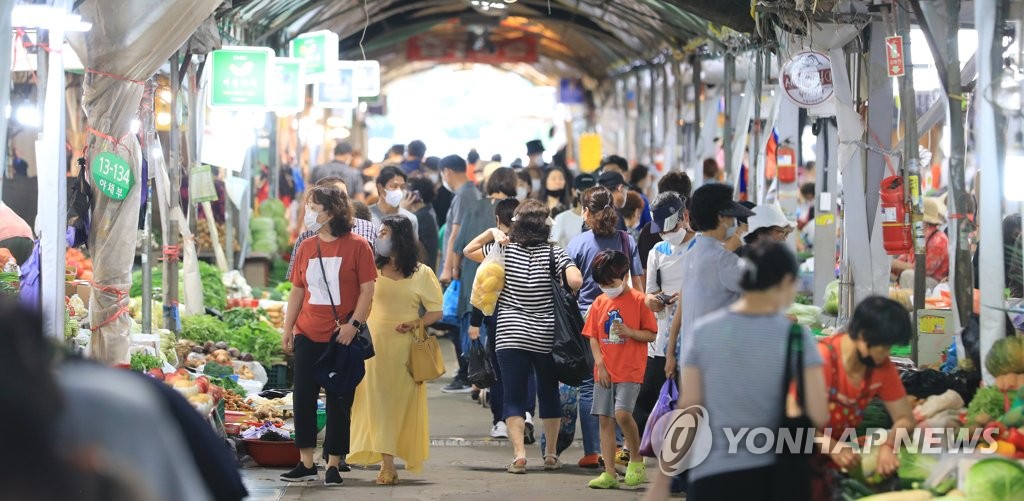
(490, 279)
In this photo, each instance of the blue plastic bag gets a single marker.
(450, 305)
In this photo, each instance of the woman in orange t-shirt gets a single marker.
(332, 277)
(857, 369)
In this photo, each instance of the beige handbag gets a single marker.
(425, 360)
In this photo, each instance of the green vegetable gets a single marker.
(272, 208)
(237, 317)
(214, 294)
(988, 402)
(203, 328)
(142, 362)
(995, 479)
(260, 339)
(806, 315)
(228, 384)
(284, 287)
(875, 416)
(214, 369)
(279, 272)
(915, 467)
(1006, 356)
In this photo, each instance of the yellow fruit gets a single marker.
(1005, 448)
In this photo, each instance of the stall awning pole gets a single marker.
(170, 289)
(5, 83)
(988, 15)
(51, 219)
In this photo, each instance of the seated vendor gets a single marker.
(936, 250)
(15, 234)
(857, 369)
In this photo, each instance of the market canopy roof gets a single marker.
(588, 37)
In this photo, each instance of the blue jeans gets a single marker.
(516, 368)
(589, 423)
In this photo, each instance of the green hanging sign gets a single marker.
(112, 175)
(318, 49)
(239, 77)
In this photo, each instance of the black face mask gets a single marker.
(867, 361)
(556, 193)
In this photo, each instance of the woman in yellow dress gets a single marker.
(389, 416)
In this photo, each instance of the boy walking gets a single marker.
(619, 326)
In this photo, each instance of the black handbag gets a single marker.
(570, 349)
(362, 338)
(479, 371)
(341, 368)
(792, 475)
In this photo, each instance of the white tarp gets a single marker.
(130, 39)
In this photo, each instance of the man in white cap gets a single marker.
(936, 250)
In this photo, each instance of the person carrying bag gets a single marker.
(572, 357)
(425, 360)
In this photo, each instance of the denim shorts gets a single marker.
(620, 397)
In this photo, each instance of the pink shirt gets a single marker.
(12, 225)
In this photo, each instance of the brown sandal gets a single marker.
(387, 477)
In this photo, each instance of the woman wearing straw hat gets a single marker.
(936, 249)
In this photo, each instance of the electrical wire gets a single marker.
(366, 26)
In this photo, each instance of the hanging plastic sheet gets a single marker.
(129, 41)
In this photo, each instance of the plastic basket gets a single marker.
(321, 420)
(277, 377)
(273, 453)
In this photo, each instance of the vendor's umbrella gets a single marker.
(128, 42)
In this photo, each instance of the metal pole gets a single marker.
(147, 226)
(698, 120)
(727, 132)
(5, 88)
(274, 158)
(963, 280)
(912, 171)
(653, 108)
(170, 288)
(756, 148)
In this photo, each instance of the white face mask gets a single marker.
(522, 193)
(535, 185)
(394, 197)
(310, 220)
(731, 230)
(383, 247)
(674, 238)
(614, 292)
(444, 182)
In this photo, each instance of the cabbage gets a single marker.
(806, 315)
(916, 467)
(832, 298)
(995, 479)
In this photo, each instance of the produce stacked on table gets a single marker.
(269, 231)
(204, 241)
(76, 260)
(214, 293)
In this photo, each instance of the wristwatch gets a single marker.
(357, 324)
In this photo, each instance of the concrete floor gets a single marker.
(464, 465)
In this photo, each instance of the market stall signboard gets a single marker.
(240, 77)
(112, 175)
(200, 180)
(337, 91)
(318, 49)
(367, 78)
(807, 79)
(287, 89)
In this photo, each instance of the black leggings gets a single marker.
(307, 391)
(749, 485)
(654, 379)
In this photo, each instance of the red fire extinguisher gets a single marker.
(897, 236)
(786, 163)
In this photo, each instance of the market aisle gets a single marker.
(465, 464)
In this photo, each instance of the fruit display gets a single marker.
(1006, 356)
(490, 279)
(76, 260)
(204, 241)
(199, 391)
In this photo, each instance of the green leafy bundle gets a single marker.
(203, 328)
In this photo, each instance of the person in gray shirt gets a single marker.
(711, 270)
(734, 367)
(341, 167)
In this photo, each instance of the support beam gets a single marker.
(5, 87)
(728, 131)
(170, 286)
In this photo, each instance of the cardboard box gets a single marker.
(933, 338)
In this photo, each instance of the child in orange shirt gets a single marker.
(619, 326)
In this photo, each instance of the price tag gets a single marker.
(112, 175)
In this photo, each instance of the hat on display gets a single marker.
(934, 211)
(667, 215)
(768, 216)
(534, 147)
(611, 180)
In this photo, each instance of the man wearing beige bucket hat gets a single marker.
(936, 249)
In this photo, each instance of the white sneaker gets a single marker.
(528, 437)
(499, 430)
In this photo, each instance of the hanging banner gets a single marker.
(318, 49)
(338, 89)
(571, 91)
(239, 77)
(894, 56)
(287, 90)
(200, 185)
(459, 50)
(590, 152)
(807, 78)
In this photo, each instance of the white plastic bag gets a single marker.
(489, 280)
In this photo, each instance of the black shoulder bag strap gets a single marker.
(552, 268)
(327, 285)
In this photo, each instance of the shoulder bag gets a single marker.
(793, 468)
(425, 360)
(570, 349)
(362, 338)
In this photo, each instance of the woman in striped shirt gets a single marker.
(525, 322)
